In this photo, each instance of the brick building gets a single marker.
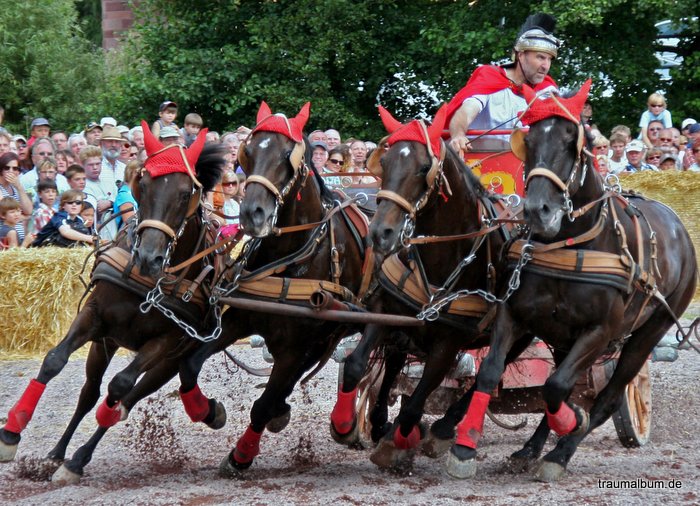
(116, 19)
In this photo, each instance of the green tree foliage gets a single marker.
(48, 68)
(222, 58)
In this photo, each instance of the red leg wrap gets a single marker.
(406, 443)
(248, 446)
(471, 427)
(21, 413)
(343, 414)
(106, 416)
(196, 404)
(563, 421)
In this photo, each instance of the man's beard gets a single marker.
(111, 154)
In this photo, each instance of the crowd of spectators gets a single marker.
(62, 188)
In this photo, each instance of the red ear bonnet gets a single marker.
(163, 161)
(414, 131)
(548, 107)
(292, 128)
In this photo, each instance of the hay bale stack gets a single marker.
(39, 293)
(678, 190)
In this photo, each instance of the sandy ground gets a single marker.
(157, 457)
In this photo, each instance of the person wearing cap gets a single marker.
(169, 136)
(635, 157)
(167, 112)
(686, 124)
(108, 121)
(668, 162)
(319, 155)
(112, 173)
(492, 98)
(93, 132)
(40, 127)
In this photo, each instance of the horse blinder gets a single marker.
(517, 144)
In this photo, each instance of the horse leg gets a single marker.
(442, 431)
(400, 443)
(633, 355)
(81, 331)
(72, 470)
(99, 357)
(344, 429)
(379, 416)
(286, 371)
(461, 459)
(523, 459)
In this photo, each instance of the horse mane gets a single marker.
(210, 166)
(472, 182)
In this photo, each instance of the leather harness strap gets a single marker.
(157, 224)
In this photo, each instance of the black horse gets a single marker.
(606, 272)
(424, 184)
(301, 240)
(111, 319)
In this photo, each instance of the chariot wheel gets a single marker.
(633, 419)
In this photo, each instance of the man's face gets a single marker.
(111, 149)
(77, 144)
(137, 140)
(41, 151)
(93, 167)
(319, 157)
(333, 138)
(318, 137)
(60, 140)
(618, 149)
(634, 158)
(41, 131)
(535, 65)
(4, 145)
(666, 137)
(77, 182)
(93, 136)
(192, 129)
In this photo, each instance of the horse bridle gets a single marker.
(295, 159)
(433, 179)
(192, 207)
(565, 188)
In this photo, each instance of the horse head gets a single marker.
(169, 191)
(409, 163)
(274, 160)
(555, 164)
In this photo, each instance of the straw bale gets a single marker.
(39, 294)
(678, 190)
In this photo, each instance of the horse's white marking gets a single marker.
(547, 129)
(405, 152)
(264, 144)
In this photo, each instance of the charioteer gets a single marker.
(492, 98)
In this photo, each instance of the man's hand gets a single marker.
(461, 144)
(103, 205)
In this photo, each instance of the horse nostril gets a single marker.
(545, 209)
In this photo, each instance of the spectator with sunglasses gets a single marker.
(66, 228)
(231, 208)
(336, 164)
(653, 133)
(656, 111)
(11, 186)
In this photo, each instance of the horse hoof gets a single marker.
(231, 469)
(385, 455)
(7, 452)
(219, 416)
(549, 472)
(518, 465)
(460, 469)
(585, 420)
(352, 438)
(278, 424)
(434, 447)
(64, 476)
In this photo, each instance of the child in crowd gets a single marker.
(193, 124)
(66, 228)
(167, 115)
(47, 192)
(656, 111)
(11, 216)
(88, 216)
(618, 160)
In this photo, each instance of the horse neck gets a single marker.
(187, 246)
(591, 190)
(458, 214)
(302, 205)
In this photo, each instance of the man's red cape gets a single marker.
(485, 80)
